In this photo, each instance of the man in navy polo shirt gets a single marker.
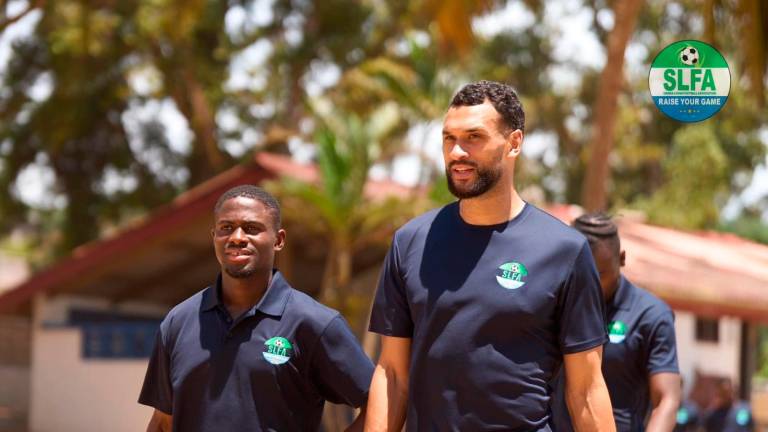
(482, 301)
(728, 414)
(250, 353)
(640, 360)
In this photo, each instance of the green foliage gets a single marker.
(76, 131)
(747, 226)
(762, 363)
(694, 174)
(408, 56)
(439, 194)
(337, 208)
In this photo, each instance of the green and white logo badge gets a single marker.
(742, 417)
(689, 81)
(510, 275)
(277, 350)
(617, 332)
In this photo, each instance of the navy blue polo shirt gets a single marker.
(641, 331)
(271, 369)
(491, 310)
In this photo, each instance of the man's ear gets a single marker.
(515, 143)
(279, 240)
(622, 258)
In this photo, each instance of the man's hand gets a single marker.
(160, 422)
(586, 393)
(388, 396)
(665, 400)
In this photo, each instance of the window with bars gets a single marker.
(119, 340)
(707, 330)
(114, 335)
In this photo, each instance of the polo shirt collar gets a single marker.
(274, 300)
(272, 303)
(621, 299)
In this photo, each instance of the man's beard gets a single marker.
(486, 179)
(241, 273)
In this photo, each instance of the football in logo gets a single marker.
(689, 55)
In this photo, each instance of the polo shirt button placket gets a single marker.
(228, 320)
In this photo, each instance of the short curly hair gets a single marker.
(598, 228)
(502, 97)
(252, 192)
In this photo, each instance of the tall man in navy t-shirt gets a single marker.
(250, 353)
(482, 301)
(640, 360)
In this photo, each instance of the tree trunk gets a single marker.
(343, 276)
(338, 274)
(754, 31)
(209, 158)
(709, 21)
(327, 294)
(594, 189)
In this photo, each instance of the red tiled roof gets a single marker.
(108, 254)
(708, 273)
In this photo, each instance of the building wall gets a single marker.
(14, 373)
(721, 358)
(72, 394)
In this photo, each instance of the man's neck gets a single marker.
(498, 205)
(611, 294)
(240, 294)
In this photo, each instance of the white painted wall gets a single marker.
(72, 394)
(721, 358)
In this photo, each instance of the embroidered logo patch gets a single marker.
(617, 332)
(277, 350)
(511, 275)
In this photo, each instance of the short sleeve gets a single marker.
(391, 315)
(157, 391)
(581, 306)
(662, 349)
(340, 369)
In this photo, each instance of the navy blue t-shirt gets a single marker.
(491, 310)
(271, 369)
(641, 332)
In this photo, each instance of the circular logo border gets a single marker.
(730, 80)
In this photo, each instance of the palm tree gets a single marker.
(421, 86)
(338, 210)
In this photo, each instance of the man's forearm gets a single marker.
(663, 416)
(591, 410)
(387, 401)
